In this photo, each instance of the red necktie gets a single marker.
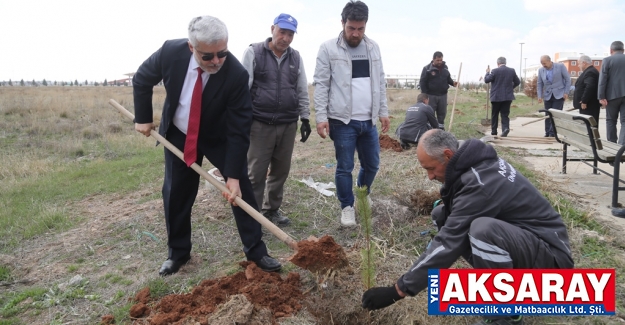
(190, 144)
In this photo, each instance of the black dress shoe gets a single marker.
(505, 132)
(268, 264)
(170, 267)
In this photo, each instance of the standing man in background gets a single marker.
(585, 95)
(552, 87)
(435, 81)
(504, 81)
(207, 113)
(612, 91)
(350, 95)
(279, 93)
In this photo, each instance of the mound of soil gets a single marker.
(263, 290)
(107, 320)
(319, 255)
(387, 142)
(423, 201)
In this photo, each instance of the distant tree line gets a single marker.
(45, 83)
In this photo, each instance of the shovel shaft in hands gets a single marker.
(246, 207)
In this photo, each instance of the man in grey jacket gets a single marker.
(350, 95)
(553, 86)
(279, 92)
(612, 91)
(419, 119)
(492, 216)
(504, 81)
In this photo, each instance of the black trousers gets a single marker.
(594, 112)
(498, 244)
(552, 102)
(180, 188)
(504, 109)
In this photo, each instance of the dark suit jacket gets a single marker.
(504, 81)
(226, 105)
(612, 77)
(586, 90)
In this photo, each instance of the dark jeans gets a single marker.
(504, 109)
(552, 103)
(357, 136)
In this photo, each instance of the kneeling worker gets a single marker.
(492, 216)
(419, 119)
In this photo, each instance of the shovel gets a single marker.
(239, 201)
(316, 253)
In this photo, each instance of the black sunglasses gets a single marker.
(210, 56)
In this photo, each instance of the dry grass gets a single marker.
(121, 240)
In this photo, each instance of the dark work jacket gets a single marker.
(480, 184)
(226, 116)
(586, 92)
(434, 81)
(274, 90)
(419, 119)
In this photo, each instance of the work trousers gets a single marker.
(271, 147)
(439, 104)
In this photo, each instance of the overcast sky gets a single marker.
(94, 40)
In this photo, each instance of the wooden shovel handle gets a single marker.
(246, 207)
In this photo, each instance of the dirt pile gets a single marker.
(386, 142)
(260, 290)
(319, 255)
(423, 201)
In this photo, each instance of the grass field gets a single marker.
(82, 229)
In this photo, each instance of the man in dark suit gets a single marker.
(611, 91)
(585, 96)
(207, 113)
(504, 81)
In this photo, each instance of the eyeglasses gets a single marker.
(211, 56)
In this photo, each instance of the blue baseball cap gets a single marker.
(286, 21)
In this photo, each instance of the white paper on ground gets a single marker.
(320, 187)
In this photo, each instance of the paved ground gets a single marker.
(593, 190)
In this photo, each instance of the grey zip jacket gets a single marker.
(333, 81)
(480, 184)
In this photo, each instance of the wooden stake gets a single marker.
(453, 108)
(544, 117)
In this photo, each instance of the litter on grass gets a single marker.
(320, 187)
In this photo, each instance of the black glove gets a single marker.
(376, 298)
(305, 130)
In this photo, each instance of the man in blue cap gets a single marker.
(279, 92)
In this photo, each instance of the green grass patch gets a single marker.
(10, 321)
(122, 313)
(16, 302)
(158, 288)
(32, 206)
(5, 273)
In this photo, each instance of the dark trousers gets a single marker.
(552, 103)
(496, 244)
(615, 108)
(594, 112)
(180, 188)
(439, 104)
(504, 109)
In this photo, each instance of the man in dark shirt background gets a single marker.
(435, 81)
